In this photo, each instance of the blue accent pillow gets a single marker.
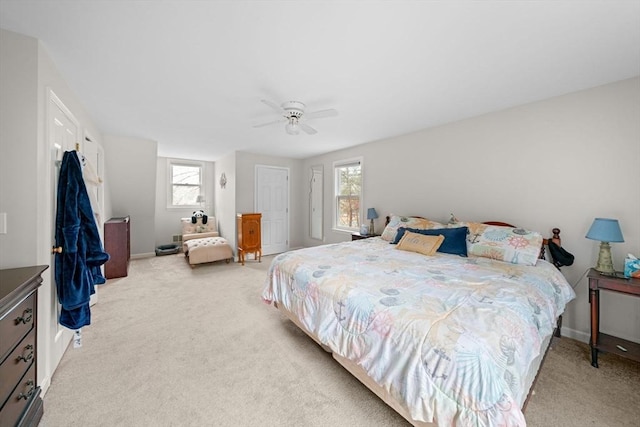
(455, 239)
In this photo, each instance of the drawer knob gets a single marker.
(32, 389)
(26, 317)
(28, 357)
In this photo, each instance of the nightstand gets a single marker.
(604, 342)
(358, 236)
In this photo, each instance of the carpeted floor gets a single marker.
(175, 346)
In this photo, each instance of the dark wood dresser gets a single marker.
(249, 236)
(117, 243)
(19, 390)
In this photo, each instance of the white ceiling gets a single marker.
(190, 74)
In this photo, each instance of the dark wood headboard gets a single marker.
(545, 242)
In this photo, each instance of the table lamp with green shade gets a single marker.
(606, 230)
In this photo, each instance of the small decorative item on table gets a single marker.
(631, 267)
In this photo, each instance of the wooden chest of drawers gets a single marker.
(249, 236)
(20, 400)
(117, 243)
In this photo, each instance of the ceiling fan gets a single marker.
(293, 114)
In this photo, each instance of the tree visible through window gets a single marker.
(186, 184)
(348, 178)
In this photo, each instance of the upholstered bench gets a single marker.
(202, 243)
(208, 249)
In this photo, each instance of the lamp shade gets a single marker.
(371, 213)
(605, 230)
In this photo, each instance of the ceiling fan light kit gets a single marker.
(292, 126)
(293, 114)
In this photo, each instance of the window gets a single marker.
(185, 184)
(348, 194)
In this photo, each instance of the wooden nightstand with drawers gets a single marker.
(605, 342)
(19, 389)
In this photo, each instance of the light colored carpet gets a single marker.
(175, 346)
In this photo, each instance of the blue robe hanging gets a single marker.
(77, 268)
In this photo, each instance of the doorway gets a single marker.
(93, 171)
(63, 134)
(272, 201)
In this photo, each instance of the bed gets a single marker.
(444, 339)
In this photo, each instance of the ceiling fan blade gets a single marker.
(322, 113)
(308, 129)
(273, 105)
(270, 123)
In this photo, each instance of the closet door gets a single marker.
(272, 200)
(94, 154)
(63, 133)
(93, 171)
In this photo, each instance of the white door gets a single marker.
(272, 201)
(63, 135)
(93, 174)
(316, 199)
(94, 155)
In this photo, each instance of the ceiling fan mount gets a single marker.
(293, 108)
(293, 113)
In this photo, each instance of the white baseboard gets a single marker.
(576, 335)
(44, 385)
(143, 255)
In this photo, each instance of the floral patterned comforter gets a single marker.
(450, 338)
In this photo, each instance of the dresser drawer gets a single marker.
(16, 324)
(18, 362)
(20, 398)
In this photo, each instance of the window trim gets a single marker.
(334, 196)
(169, 181)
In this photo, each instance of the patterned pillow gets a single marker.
(514, 245)
(420, 243)
(396, 221)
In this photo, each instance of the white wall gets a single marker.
(18, 145)
(225, 198)
(245, 189)
(26, 75)
(167, 220)
(555, 163)
(239, 192)
(130, 167)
